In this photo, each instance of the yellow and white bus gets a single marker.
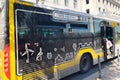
(37, 43)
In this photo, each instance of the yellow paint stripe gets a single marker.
(76, 60)
(12, 40)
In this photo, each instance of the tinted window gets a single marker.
(80, 28)
(97, 26)
(35, 31)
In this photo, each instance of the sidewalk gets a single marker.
(109, 72)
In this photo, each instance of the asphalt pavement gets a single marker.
(110, 71)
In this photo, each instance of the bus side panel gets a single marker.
(73, 66)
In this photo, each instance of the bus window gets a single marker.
(97, 26)
(80, 28)
(117, 35)
(47, 33)
(109, 33)
(36, 33)
(24, 32)
(51, 33)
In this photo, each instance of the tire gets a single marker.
(85, 63)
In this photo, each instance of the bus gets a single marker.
(39, 43)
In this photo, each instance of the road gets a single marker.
(110, 71)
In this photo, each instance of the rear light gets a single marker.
(7, 60)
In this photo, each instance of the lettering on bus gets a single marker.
(69, 17)
(39, 55)
(49, 55)
(69, 56)
(74, 48)
(57, 15)
(27, 52)
(58, 58)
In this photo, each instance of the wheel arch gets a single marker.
(85, 62)
(90, 54)
(81, 52)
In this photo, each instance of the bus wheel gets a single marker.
(85, 63)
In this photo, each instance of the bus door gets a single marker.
(107, 41)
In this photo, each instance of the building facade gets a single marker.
(109, 9)
(62, 4)
(96, 7)
(101, 7)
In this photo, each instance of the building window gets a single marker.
(107, 3)
(110, 4)
(75, 3)
(99, 9)
(66, 2)
(87, 11)
(87, 1)
(56, 1)
(103, 1)
(116, 7)
(113, 5)
(103, 10)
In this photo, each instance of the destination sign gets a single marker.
(114, 24)
(69, 17)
